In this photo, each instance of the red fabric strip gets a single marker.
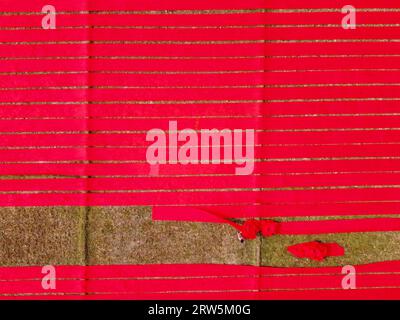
(251, 66)
(26, 5)
(270, 124)
(166, 183)
(233, 34)
(286, 227)
(252, 18)
(197, 50)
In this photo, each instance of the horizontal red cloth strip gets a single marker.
(198, 197)
(285, 227)
(211, 109)
(374, 281)
(243, 33)
(194, 197)
(257, 123)
(31, 5)
(267, 154)
(149, 35)
(165, 183)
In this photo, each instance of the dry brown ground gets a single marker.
(127, 235)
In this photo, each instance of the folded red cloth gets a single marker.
(316, 250)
